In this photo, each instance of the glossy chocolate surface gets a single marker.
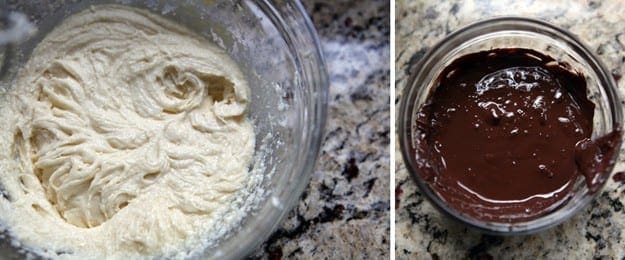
(505, 135)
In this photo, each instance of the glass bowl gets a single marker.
(277, 47)
(511, 32)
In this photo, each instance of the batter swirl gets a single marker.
(124, 135)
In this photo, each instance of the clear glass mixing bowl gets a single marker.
(511, 32)
(277, 47)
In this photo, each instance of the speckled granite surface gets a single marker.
(422, 232)
(344, 213)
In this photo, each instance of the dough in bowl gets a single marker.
(124, 135)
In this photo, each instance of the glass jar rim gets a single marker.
(436, 53)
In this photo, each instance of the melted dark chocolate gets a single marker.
(505, 135)
(619, 177)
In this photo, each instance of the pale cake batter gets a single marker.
(124, 135)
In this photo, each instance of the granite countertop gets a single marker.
(344, 212)
(422, 232)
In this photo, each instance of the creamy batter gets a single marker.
(124, 135)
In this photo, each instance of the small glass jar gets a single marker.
(511, 32)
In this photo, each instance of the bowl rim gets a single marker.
(282, 14)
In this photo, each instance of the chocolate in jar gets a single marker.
(505, 134)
